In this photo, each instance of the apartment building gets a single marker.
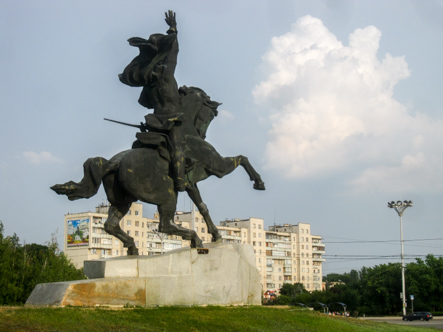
(85, 237)
(284, 253)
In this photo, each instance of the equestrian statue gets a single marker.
(170, 154)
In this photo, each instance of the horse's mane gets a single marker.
(205, 99)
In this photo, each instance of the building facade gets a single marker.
(85, 237)
(284, 253)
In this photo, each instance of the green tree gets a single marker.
(23, 267)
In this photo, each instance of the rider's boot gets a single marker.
(178, 165)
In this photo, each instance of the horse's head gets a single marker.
(203, 108)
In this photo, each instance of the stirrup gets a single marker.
(180, 184)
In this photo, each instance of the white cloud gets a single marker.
(332, 110)
(225, 116)
(39, 158)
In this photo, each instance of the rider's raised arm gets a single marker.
(171, 21)
(168, 45)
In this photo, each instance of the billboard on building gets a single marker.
(78, 233)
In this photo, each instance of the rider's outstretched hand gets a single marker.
(170, 20)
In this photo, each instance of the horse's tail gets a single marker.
(94, 170)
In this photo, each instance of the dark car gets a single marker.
(418, 315)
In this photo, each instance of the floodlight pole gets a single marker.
(400, 207)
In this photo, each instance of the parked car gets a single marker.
(418, 315)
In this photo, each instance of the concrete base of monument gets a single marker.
(226, 275)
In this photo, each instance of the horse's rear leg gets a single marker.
(234, 162)
(194, 194)
(168, 226)
(112, 226)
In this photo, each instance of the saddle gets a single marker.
(156, 141)
(161, 143)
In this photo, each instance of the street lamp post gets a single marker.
(400, 207)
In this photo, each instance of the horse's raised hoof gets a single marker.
(259, 185)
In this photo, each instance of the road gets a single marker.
(436, 322)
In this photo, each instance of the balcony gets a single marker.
(232, 237)
(101, 246)
(318, 259)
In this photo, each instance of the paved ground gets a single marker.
(436, 322)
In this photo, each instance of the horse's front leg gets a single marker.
(194, 194)
(112, 226)
(253, 175)
(168, 226)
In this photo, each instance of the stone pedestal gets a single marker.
(226, 275)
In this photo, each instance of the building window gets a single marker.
(253, 225)
(259, 226)
(253, 243)
(136, 213)
(129, 213)
(203, 230)
(128, 232)
(302, 239)
(303, 247)
(93, 251)
(307, 247)
(254, 235)
(137, 223)
(259, 244)
(302, 231)
(136, 233)
(128, 222)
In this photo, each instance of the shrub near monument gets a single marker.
(24, 266)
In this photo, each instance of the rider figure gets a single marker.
(153, 69)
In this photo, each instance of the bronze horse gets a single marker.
(144, 174)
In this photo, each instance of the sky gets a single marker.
(337, 104)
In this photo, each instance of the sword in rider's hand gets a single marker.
(141, 126)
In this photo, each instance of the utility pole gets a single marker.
(400, 207)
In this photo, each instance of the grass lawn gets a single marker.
(182, 319)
